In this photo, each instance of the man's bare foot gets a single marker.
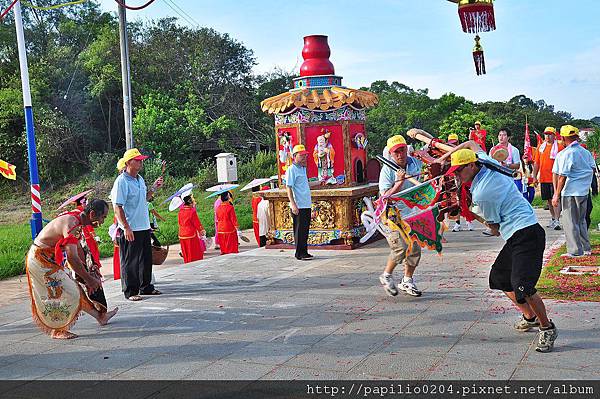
(63, 335)
(105, 317)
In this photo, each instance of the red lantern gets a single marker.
(478, 57)
(476, 15)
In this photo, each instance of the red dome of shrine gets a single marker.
(316, 54)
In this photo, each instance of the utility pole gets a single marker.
(125, 75)
(36, 205)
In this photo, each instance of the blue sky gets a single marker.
(545, 49)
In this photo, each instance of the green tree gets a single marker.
(101, 60)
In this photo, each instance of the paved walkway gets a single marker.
(15, 290)
(263, 315)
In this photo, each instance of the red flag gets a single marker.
(539, 139)
(527, 147)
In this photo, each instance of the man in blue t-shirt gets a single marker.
(572, 173)
(392, 182)
(508, 214)
(131, 210)
(298, 192)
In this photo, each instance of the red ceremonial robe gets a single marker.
(116, 259)
(479, 136)
(227, 228)
(255, 226)
(192, 247)
(90, 239)
(116, 263)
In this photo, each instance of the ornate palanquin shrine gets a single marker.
(329, 119)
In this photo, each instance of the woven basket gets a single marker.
(159, 254)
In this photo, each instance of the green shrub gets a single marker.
(263, 164)
(103, 164)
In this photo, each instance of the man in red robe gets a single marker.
(227, 225)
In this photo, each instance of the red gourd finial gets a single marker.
(316, 54)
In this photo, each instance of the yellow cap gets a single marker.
(478, 123)
(299, 149)
(395, 142)
(453, 136)
(460, 158)
(549, 130)
(568, 130)
(132, 153)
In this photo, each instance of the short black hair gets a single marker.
(98, 206)
(225, 196)
(188, 200)
(507, 130)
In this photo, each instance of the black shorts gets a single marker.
(519, 264)
(547, 190)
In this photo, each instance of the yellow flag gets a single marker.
(7, 170)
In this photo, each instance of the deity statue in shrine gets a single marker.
(285, 152)
(324, 156)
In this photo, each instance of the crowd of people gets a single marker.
(564, 171)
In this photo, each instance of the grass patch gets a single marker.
(14, 243)
(554, 285)
(15, 208)
(15, 238)
(538, 202)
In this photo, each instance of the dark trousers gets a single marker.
(588, 212)
(262, 241)
(136, 263)
(301, 227)
(155, 242)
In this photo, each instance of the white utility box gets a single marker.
(226, 167)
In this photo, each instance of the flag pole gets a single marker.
(36, 205)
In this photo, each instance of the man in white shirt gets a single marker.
(263, 216)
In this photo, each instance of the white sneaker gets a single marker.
(408, 285)
(551, 224)
(557, 225)
(546, 339)
(570, 256)
(456, 227)
(389, 285)
(587, 253)
(469, 226)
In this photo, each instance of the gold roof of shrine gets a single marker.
(326, 99)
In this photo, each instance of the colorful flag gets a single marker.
(425, 229)
(7, 170)
(527, 147)
(422, 196)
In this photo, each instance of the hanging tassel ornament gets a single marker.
(476, 15)
(478, 57)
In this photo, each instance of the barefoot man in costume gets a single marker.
(56, 298)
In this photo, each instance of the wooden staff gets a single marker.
(417, 134)
(395, 168)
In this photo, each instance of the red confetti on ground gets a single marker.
(498, 309)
